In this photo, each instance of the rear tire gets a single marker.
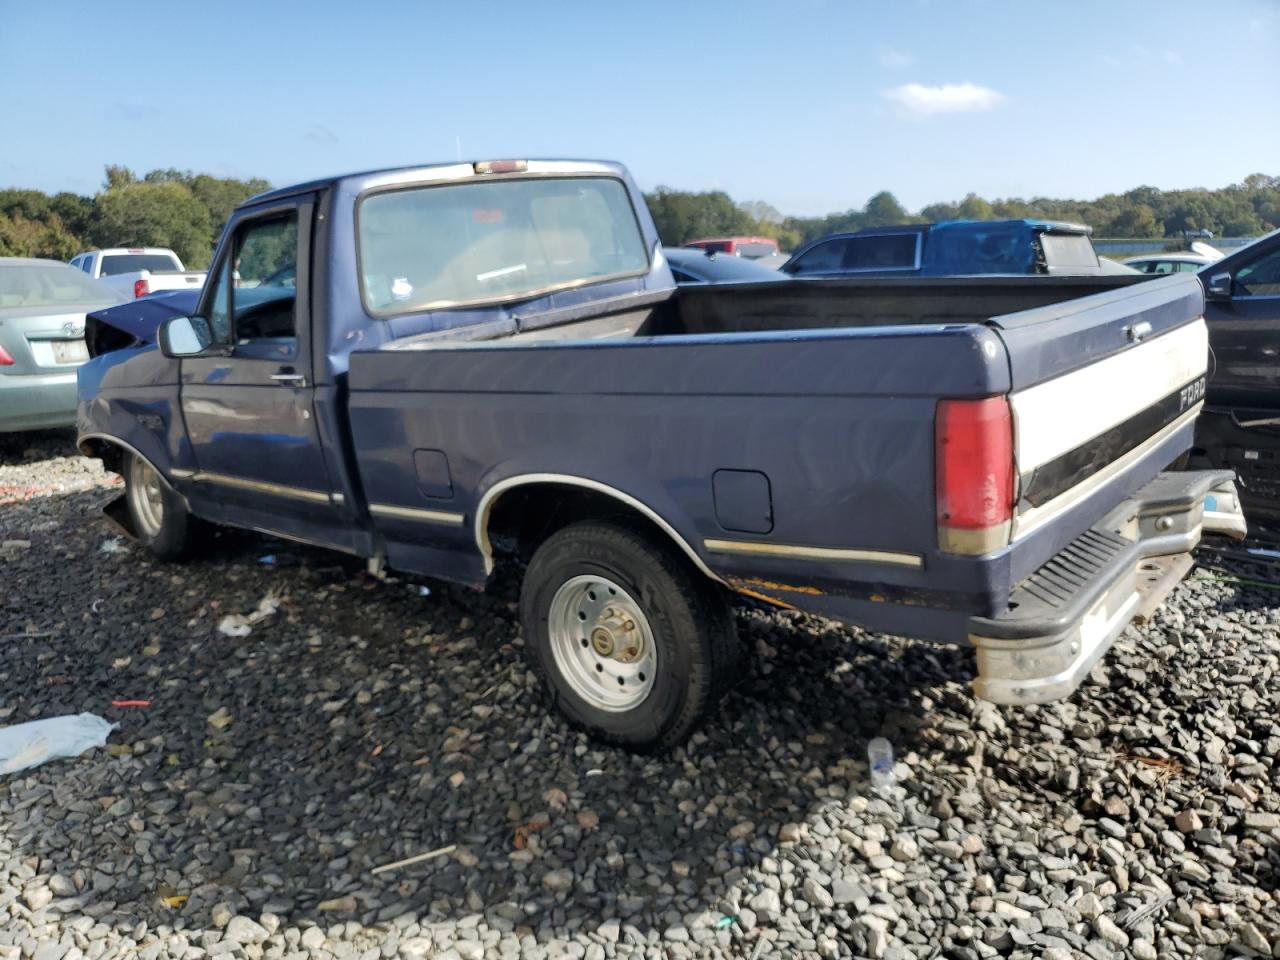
(159, 516)
(634, 645)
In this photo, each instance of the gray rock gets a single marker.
(312, 938)
(904, 848)
(415, 948)
(221, 914)
(37, 898)
(767, 904)
(1106, 928)
(816, 894)
(1188, 821)
(1089, 906)
(560, 881)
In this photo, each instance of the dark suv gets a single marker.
(1240, 426)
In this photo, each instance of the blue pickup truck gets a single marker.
(440, 367)
(953, 248)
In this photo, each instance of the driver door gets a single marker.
(248, 401)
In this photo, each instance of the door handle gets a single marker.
(293, 379)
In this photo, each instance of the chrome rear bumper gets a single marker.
(1064, 617)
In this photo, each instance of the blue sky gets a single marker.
(812, 105)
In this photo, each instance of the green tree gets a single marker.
(681, 216)
(118, 176)
(20, 237)
(973, 207)
(155, 214)
(1136, 221)
(884, 210)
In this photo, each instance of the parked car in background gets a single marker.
(138, 271)
(1169, 262)
(750, 247)
(955, 248)
(1112, 268)
(1240, 426)
(694, 266)
(1192, 260)
(487, 360)
(773, 261)
(42, 317)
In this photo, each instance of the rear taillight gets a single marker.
(975, 474)
(141, 288)
(5, 359)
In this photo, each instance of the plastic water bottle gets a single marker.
(880, 759)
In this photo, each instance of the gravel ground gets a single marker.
(363, 722)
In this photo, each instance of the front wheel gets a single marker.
(159, 516)
(635, 646)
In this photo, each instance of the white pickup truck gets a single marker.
(138, 271)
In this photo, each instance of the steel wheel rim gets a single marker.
(602, 643)
(146, 497)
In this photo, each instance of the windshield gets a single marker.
(117, 263)
(444, 246)
(48, 285)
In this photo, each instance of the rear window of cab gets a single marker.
(465, 244)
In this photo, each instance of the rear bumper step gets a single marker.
(1064, 617)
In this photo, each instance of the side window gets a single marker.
(87, 265)
(219, 318)
(1186, 266)
(824, 258)
(254, 301)
(1260, 278)
(889, 251)
(1164, 266)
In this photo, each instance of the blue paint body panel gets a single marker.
(394, 437)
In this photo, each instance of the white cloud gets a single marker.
(895, 59)
(918, 99)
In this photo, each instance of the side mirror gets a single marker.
(185, 337)
(1218, 287)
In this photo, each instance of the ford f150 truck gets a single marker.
(138, 271)
(463, 362)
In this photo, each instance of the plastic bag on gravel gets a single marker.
(27, 745)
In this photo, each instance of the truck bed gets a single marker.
(795, 305)
(821, 394)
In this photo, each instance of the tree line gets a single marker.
(1246, 209)
(178, 209)
(186, 211)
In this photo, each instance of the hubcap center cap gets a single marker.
(602, 641)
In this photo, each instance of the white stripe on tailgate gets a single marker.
(1058, 415)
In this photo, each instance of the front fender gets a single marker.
(128, 401)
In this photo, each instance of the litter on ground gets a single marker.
(27, 745)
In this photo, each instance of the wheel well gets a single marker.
(111, 454)
(522, 518)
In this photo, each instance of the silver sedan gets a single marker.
(42, 309)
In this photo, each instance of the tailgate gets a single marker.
(1100, 383)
